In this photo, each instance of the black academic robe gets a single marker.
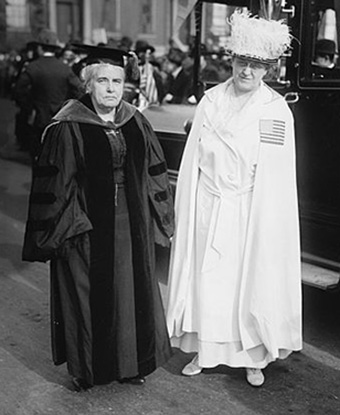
(71, 223)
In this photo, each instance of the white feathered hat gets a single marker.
(257, 38)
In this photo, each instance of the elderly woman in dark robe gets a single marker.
(99, 201)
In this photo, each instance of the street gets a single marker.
(307, 382)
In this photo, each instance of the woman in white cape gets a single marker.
(234, 293)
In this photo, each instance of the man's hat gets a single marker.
(257, 38)
(143, 46)
(32, 44)
(48, 39)
(326, 47)
(176, 56)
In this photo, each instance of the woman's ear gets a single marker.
(88, 86)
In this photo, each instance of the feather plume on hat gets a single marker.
(257, 38)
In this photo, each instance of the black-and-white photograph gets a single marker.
(169, 207)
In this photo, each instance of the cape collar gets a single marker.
(268, 95)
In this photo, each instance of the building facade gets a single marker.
(88, 21)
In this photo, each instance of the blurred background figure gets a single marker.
(43, 86)
(125, 43)
(80, 58)
(3, 73)
(151, 90)
(23, 130)
(324, 65)
(67, 55)
(325, 53)
(179, 86)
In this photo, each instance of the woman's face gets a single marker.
(106, 87)
(247, 74)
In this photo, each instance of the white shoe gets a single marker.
(255, 377)
(192, 368)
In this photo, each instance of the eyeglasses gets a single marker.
(244, 63)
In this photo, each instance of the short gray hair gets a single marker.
(88, 73)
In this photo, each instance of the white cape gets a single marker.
(270, 294)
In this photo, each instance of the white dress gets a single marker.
(228, 153)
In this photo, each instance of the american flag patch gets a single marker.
(272, 131)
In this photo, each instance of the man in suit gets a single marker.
(44, 85)
(324, 66)
(150, 82)
(180, 78)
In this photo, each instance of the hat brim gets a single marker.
(327, 52)
(48, 45)
(252, 58)
(146, 49)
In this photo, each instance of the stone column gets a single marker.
(87, 21)
(3, 26)
(52, 12)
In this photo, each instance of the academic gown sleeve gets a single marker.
(159, 189)
(56, 203)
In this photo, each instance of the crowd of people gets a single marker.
(101, 199)
(10, 63)
(27, 79)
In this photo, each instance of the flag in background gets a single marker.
(182, 9)
(147, 84)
